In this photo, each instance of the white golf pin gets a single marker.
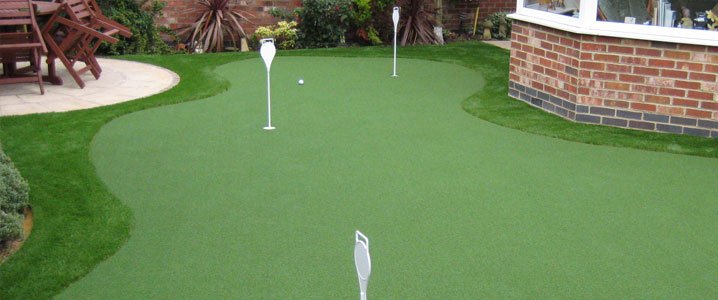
(362, 262)
(267, 51)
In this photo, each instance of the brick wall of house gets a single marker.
(454, 9)
(638, 84)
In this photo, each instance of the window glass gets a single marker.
(561, 7)
(689, 14)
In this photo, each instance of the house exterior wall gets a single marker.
(621, 82)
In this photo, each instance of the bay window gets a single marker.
(677, 21)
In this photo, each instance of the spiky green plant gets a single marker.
(217, 20)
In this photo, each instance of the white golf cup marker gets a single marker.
(362, 261)
(395, 19)
(267, 51)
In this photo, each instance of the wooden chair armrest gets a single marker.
(105, 22)
(87, 30)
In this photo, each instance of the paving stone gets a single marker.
(120, 81)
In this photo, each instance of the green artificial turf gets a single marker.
(454, 207)
(78, 223)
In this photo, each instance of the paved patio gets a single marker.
(120, 81)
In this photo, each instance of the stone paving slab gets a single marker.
(120, 81)
(500, 44)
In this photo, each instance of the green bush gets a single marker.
(284, 34)
(323, 23)
(13, 199)
(369, 25)
(10, 227)
(495, 20)
(140, 19)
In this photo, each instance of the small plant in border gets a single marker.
(284, 34)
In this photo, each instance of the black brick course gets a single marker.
(614, 122)
(588, 118)
(613, 117)
(602, 111)
(697, 132)
(642, 125)
(669, 128)
(655, 118)
(683, 121)
(708, 124)
(628, 114)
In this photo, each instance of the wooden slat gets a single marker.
(19, 46)
(13, 22)
(13, 5)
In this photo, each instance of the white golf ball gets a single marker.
(300, 82)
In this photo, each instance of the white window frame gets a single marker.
(586, 23)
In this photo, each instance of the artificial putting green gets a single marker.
(455, 207)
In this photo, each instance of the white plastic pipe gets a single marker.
(395, 18)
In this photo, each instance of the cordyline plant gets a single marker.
(417, 22)
(216, 21)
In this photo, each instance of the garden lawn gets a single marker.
(455, 207)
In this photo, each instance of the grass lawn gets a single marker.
(271, 215)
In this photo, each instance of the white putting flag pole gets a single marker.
(267, 51)
(362, 262)
(395, 18)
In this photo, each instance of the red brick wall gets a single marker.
(452, 9)
(645, 85)
(181, 13)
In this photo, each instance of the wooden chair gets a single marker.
(75, 32)
(20, 41)
(99, 22)
(124, 31)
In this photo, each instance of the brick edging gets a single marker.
(612, 116)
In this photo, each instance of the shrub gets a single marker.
(13, 188)
(495, 19)
(13, 199)
(370, 21)
(323, 23)
(283, 14)
(10, 227)
(284, 34)
(140, 20)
